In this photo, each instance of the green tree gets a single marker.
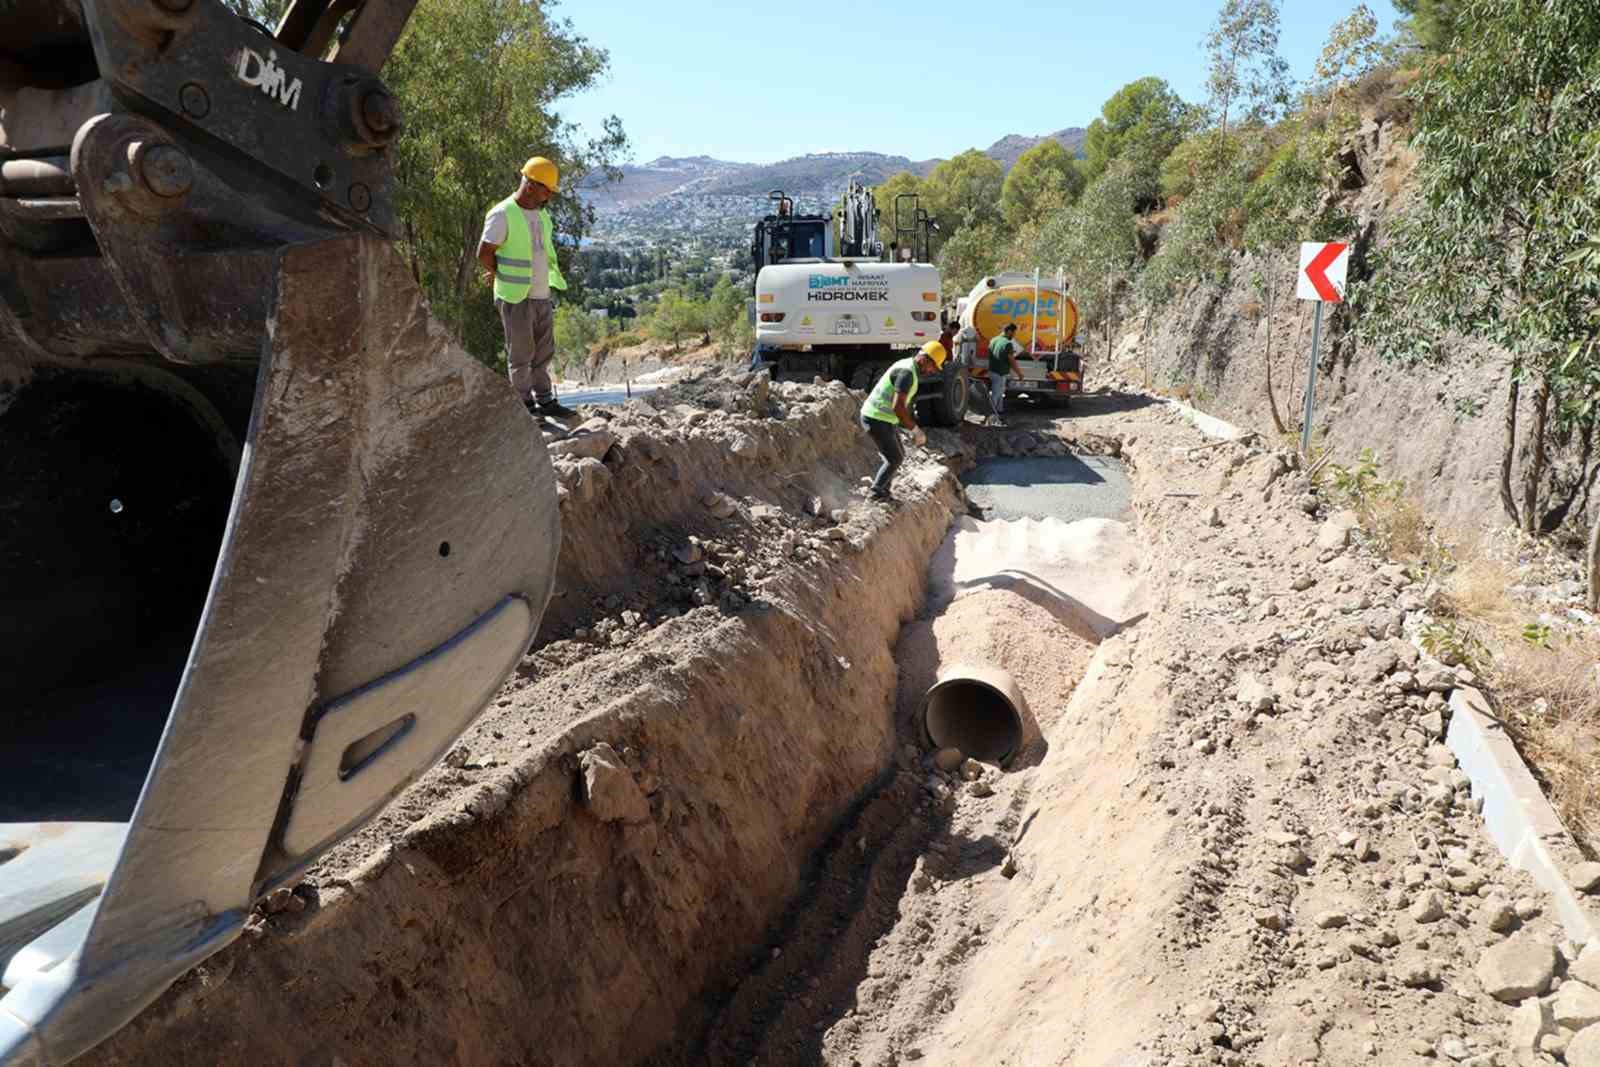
(1095, 241)
(677, 316)
(1294, 199)
(478, 81)
(1043, 180)
(1432, 22)
(1246, 77)
(576, 332)
(971, 254)
(965, 191)
(1509, 169)
(725, 308)
(1143, 122)
(1201, 158)
(1354, 49)
(1198, 245)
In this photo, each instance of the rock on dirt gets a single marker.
(1429, 907)
(1586, 968)
(1576, 1005)
(1532, 1020)
(1498, 915)
(1584, 1049)
(1255, 694)
(1518, 968)
(592, 440)
(609, 790)
(1586, 877)
(1335, 533)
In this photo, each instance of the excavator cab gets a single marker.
(784, 236)
(269, 539)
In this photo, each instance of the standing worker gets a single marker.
(888, 405)
(947, 334)
(1002, 357)
(520, 257)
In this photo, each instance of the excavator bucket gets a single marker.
(269, 540)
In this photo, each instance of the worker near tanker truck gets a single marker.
(518, 253)
(1002, 358)
(888, 407)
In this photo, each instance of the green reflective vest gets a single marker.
(556, 280)
(999, 348)
(880, 402)
(513, 260)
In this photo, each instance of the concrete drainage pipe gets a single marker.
(979, 710)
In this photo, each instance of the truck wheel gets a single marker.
(950, 406)
(863, 376)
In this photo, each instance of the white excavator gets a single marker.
(846, 309)
(269, 540)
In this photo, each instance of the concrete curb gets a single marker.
(1516, 815)
(1209, 425)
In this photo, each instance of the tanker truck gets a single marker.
(1047, 325)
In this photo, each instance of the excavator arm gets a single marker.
(269, 540)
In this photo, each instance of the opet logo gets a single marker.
(1015, 308)
(266, 75)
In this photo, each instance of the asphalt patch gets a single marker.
(1042, 487)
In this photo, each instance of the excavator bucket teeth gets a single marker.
(249, 601)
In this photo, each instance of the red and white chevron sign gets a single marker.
(1322, 269)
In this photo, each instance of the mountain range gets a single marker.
(819, 175)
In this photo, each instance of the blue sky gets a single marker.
(762, 82)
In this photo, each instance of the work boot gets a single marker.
(554, 409)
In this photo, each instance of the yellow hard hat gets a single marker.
(541, 170)
(935, 351)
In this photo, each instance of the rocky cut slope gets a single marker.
(1440, 429)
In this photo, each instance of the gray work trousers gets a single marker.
(530, 327)
(997, 392)
(883, 435)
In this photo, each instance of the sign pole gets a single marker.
(1311, 380)
(1323, 266)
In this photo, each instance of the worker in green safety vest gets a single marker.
(518, 255)
(888, 407)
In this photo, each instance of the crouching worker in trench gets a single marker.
(889, 407)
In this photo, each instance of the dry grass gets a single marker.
(1477, 590)
(1544, 682)
(1549, 696)
(1403, 531)
(1251, 310)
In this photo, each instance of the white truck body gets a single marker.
(856, 303)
